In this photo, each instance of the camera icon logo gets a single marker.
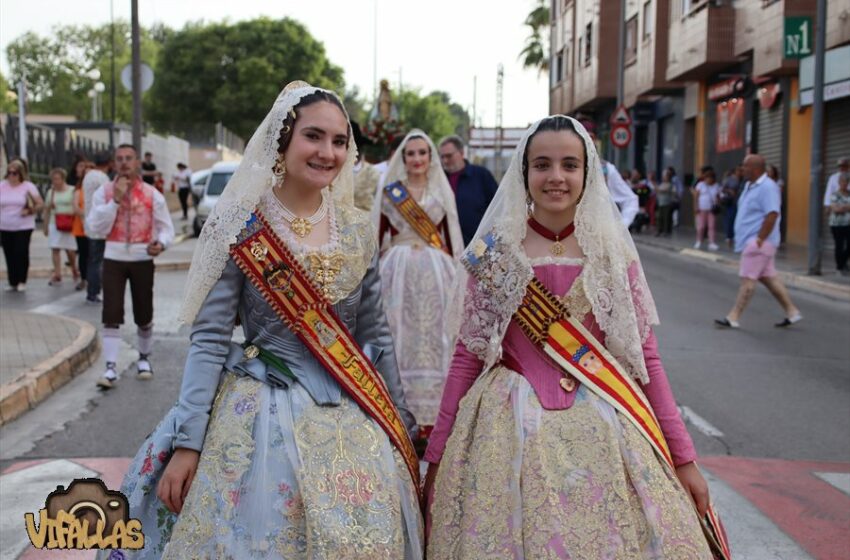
(86, 515)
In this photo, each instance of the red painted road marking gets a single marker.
(809, 510)
(110, 470)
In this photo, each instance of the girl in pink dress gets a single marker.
(521, 463)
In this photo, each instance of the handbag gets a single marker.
(64, 222)
(715, 209)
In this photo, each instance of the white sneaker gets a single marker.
(12, 288)
(713, 247)
(697, 245)
(144, 369)
(109, 377)
(22, 287)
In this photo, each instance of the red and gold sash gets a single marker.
(579, 354)
(284, 283)
(415, 215)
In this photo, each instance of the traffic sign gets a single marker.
(621, 117)
(621, 136)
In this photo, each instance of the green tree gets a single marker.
(434, 113)
(535, 53)
(232, 72)
(8, 96)
(57, 67)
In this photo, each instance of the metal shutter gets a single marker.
(837, 139)
(836, 144)
(769, 143)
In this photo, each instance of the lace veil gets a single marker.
(252, 178)
(614, 281)
(438, 187)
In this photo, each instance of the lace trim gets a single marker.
(541, 261)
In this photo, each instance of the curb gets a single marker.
(47, 272)
(40, 381)
(802, 282)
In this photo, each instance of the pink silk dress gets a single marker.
(528, 470)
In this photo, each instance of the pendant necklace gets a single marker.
(557, 247)
(303, 226)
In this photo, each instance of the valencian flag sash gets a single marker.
(415, 215)
(547, 323)
(287, 288)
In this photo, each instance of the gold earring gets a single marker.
(279, 171)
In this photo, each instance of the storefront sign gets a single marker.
(836, 76)
(798, 37)
(722, 89)
(830, 92)
(729, 126)
(768, 94)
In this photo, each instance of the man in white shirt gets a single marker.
(93, 180)
(133, 217)
(622, 194)
(832, 184)
(183, 181)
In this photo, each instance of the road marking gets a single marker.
(752, 535)
(838, 480)
(699, 422)
(59, 306)
(24, 491)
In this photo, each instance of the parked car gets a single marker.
(220, 174)
(199, 181)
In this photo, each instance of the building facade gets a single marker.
(707, 82)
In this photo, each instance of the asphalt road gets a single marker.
(760, 391)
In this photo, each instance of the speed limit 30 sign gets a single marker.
(621, 136)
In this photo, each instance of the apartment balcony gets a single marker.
(701, 41)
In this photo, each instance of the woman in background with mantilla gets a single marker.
(419, 238)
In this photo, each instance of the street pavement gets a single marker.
(768, 409)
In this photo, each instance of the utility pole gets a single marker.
(137, 77)
(815, 210)
(621, 60)
(112, 76)
(375, 53)
(500, 84)
(22, 118)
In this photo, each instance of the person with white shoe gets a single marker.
(133, 217)
(757, 238)
(707, 194)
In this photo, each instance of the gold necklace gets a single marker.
(303, 226)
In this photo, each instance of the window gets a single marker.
(556, 68)
(647, 20)
(588, 43)
(559, 66)
(689, 6)
(217, 182)
(631, 41)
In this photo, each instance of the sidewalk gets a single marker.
(40, 353)
(791, 261)
(41, 263)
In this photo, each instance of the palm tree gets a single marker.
(534, 54)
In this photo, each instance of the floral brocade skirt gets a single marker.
(517, 481)
(280, 477)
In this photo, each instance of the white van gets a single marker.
(220, 174)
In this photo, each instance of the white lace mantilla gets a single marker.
(612, 278)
